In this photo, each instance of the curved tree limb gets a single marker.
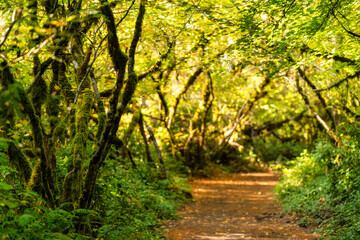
(356, 74)
(187, 85)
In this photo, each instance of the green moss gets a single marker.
(73, 180)
(65, 86)
(35, 180)
(134, 122)
(53, 107)
(72, 126)
(130, 88)
(39, 95)
(79, 148)
(68, 188)
(101, 124)
(59, 131)
(18, 158)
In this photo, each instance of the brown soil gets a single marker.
(238, 206)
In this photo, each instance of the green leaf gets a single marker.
(25, 219)
(6, 187)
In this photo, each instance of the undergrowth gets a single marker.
(322, 188)
(129, 203)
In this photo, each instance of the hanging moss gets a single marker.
(72, 127)
(39, 94)
(81, 73)
(82, 118)
(28, 109)
(16, 155)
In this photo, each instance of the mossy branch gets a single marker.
(28, 109)
(163, 100)
(270, 125)
(136, 37)
(131, 128)
(319, 96)
(208, 98)
(18, 158)
(44, 66)
(329, 131)
(158, 64)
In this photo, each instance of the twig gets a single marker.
(34, 49)
(339, 82)
(346, 30)
(127, 12)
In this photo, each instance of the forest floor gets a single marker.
(237, 206)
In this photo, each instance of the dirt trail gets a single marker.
(239, 206)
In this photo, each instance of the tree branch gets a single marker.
(318, 94)
(190, 82)
(357, 74)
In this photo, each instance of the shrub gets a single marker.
(323, 187)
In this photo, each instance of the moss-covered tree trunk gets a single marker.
(16, 156)
(119, 60)
(74, 179)
(41, 178)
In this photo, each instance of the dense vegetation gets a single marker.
(108, 106)
(322, 187)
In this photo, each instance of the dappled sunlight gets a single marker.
(110, 110)
(231, 182)
(238, 207)
(224, 236)
(264, 179)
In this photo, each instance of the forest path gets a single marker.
(237, 206)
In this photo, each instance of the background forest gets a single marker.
(107, 107)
